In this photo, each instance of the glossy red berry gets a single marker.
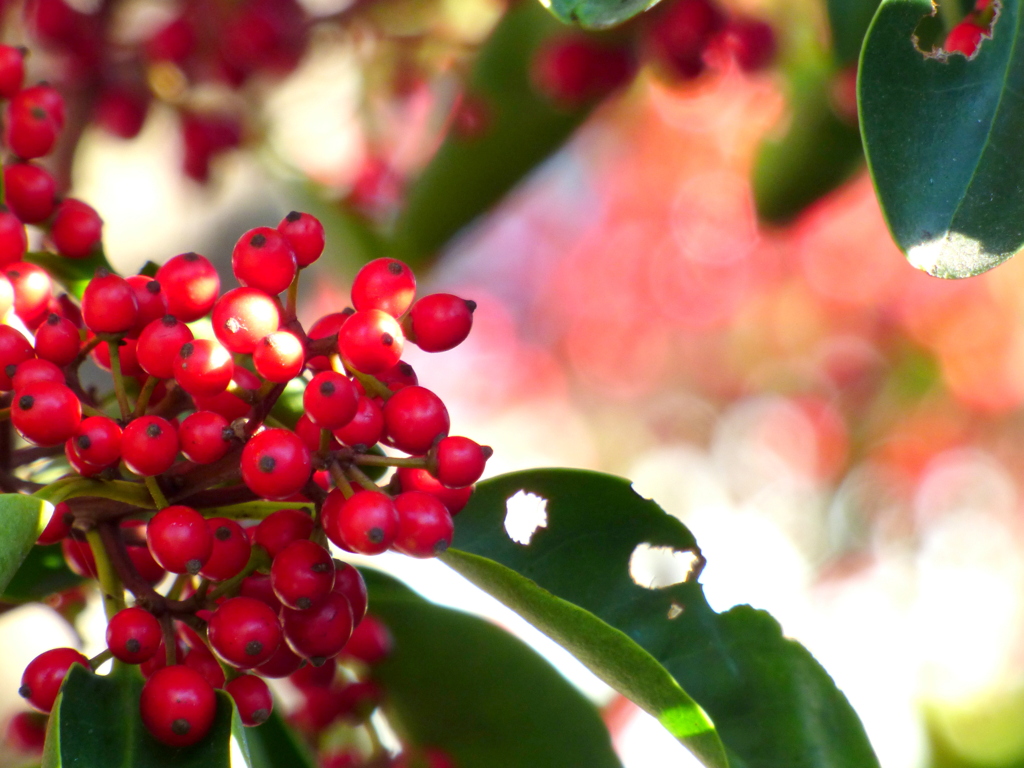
(149, 445)
(177, 706)
(12, 70)
(77, 229)
(257, 586)
(243, 316)
(276, 464)
(29, 130)
(279, 357)
(45, 413)
(30, 191)
(33, 291)
(122, 111)
(190, 285)
(109, 304)
(371, 341)
(283, 663)
(231, 550)
(302, 574)
(148, 568)
(57, 340)
(43, 676)
(440, 322)
(414, 417)
(425, 526)
(965, 37)
(371, 641)
(35, 370)
(279, 529)
(205, 663)
(311, 676)
(229, 405)
(159, 344)
(58, 526)
(385, 284)
(203, 367)
(26, 731)
(458, 462)
(305, 234)
(14, 350)
(349, 582)
(205, 436)
(365, 428)
(78, 556)
(323, 328)
(322, 631)
(179, 539)
(330, 400)
(367, 523)
(264, 259)
(98, 441)
(252, 697)
(244, 632)
(13, 240)
(150, 299)
(133, 635)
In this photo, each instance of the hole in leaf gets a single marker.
(936, 37)
(675, 610)
(524, 514)
(659, 567)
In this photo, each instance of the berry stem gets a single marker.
(373, 460)
(293, 298)
(97, 661)
(147, 392)
(170, 643)
(158, 495)
(325, 440)
(110, 584)
(88, 410)
(174, 593)
(250, 510)
(115, 372)
(357, 474)
(115, 490)
(371, 384)
(5, 413)
(340, 481)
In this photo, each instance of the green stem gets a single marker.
(258, 559)
(373, 460)
(949, 12)
(250, 510)
(371, 384)
(357, 474)
(293, 298)
(88, 410)
(174, 593)
(97, 661)
(170, 642)
(110, 584)
(147, 392)
(325, 440)
(340, 481)
(135, 494)
(154, 490)
(115, 372)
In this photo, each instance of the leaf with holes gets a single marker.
(21, 520)
(772, 703)
(460, 683)
(597, 14)
(942, 136)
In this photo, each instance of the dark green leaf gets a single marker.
(72, 274)
(772, 703)
(469, 175)
(942, 137)
(275, 745)
(21, 520)
(42, 573)
(460, 683)
(95, 723)
(596, 14)
(849, 21)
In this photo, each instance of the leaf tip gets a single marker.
(953, 255)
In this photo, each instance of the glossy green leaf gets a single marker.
(72, 274)
(597, 14)
(942, 136)
(460, 683)
(469, 175)
(22, 518)
(849, 21)
(771, 702)
(274, 745)
(95, 723)
(43, 572)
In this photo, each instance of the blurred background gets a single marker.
(682, 278)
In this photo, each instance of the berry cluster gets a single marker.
(679, 37)
(163, 474)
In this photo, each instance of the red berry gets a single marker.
(330, 400)
(252, 697)
(133, 635)
(257, 586)
(14, 350)
(150, 299)
(228, 405)
(179, 539)
(58, 526)
(159, 344)
(13, 240)
(98, 441)
(349, 582)
(279, 529)
(305, 234)
(371, 642)
(12, 70)
(77, 229)
(263, 259)
(282, 664)
(326, 326)
(310, 434)
(572, 71)
(47, 98)
(149, 446)
(678, 33)
(57, 340)
(45, 413)
(190, 284)
(279, 357)
(275, 464)
(385, 284)
(33, 291)
(302, 574)
(965, 37)
(399, 375)
(43, 676)
(203, 367)
(371, 341)
(79, 557)
(205, 436)
(177, 706)
(458, 461)
(315, 677)
(231, 550)
(243, 316)
(127, 355)
(414, 417)
(205, 663)
(122, 111)
(30, 191)
(109, 304)
(29, 130)
(367, 523)
(30, 371)
(322, 631)
(424, 525)
(148, 568)
(365, 428)
(26, 731)
(174, 41)
(244, 632)
(440, 321)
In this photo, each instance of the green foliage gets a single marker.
(457, 682)
(771, 702)
(597, 14)
(22, 518)
(849, 21)
(42, 573)
(942, 137)
(274, 745)
(95, 722)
